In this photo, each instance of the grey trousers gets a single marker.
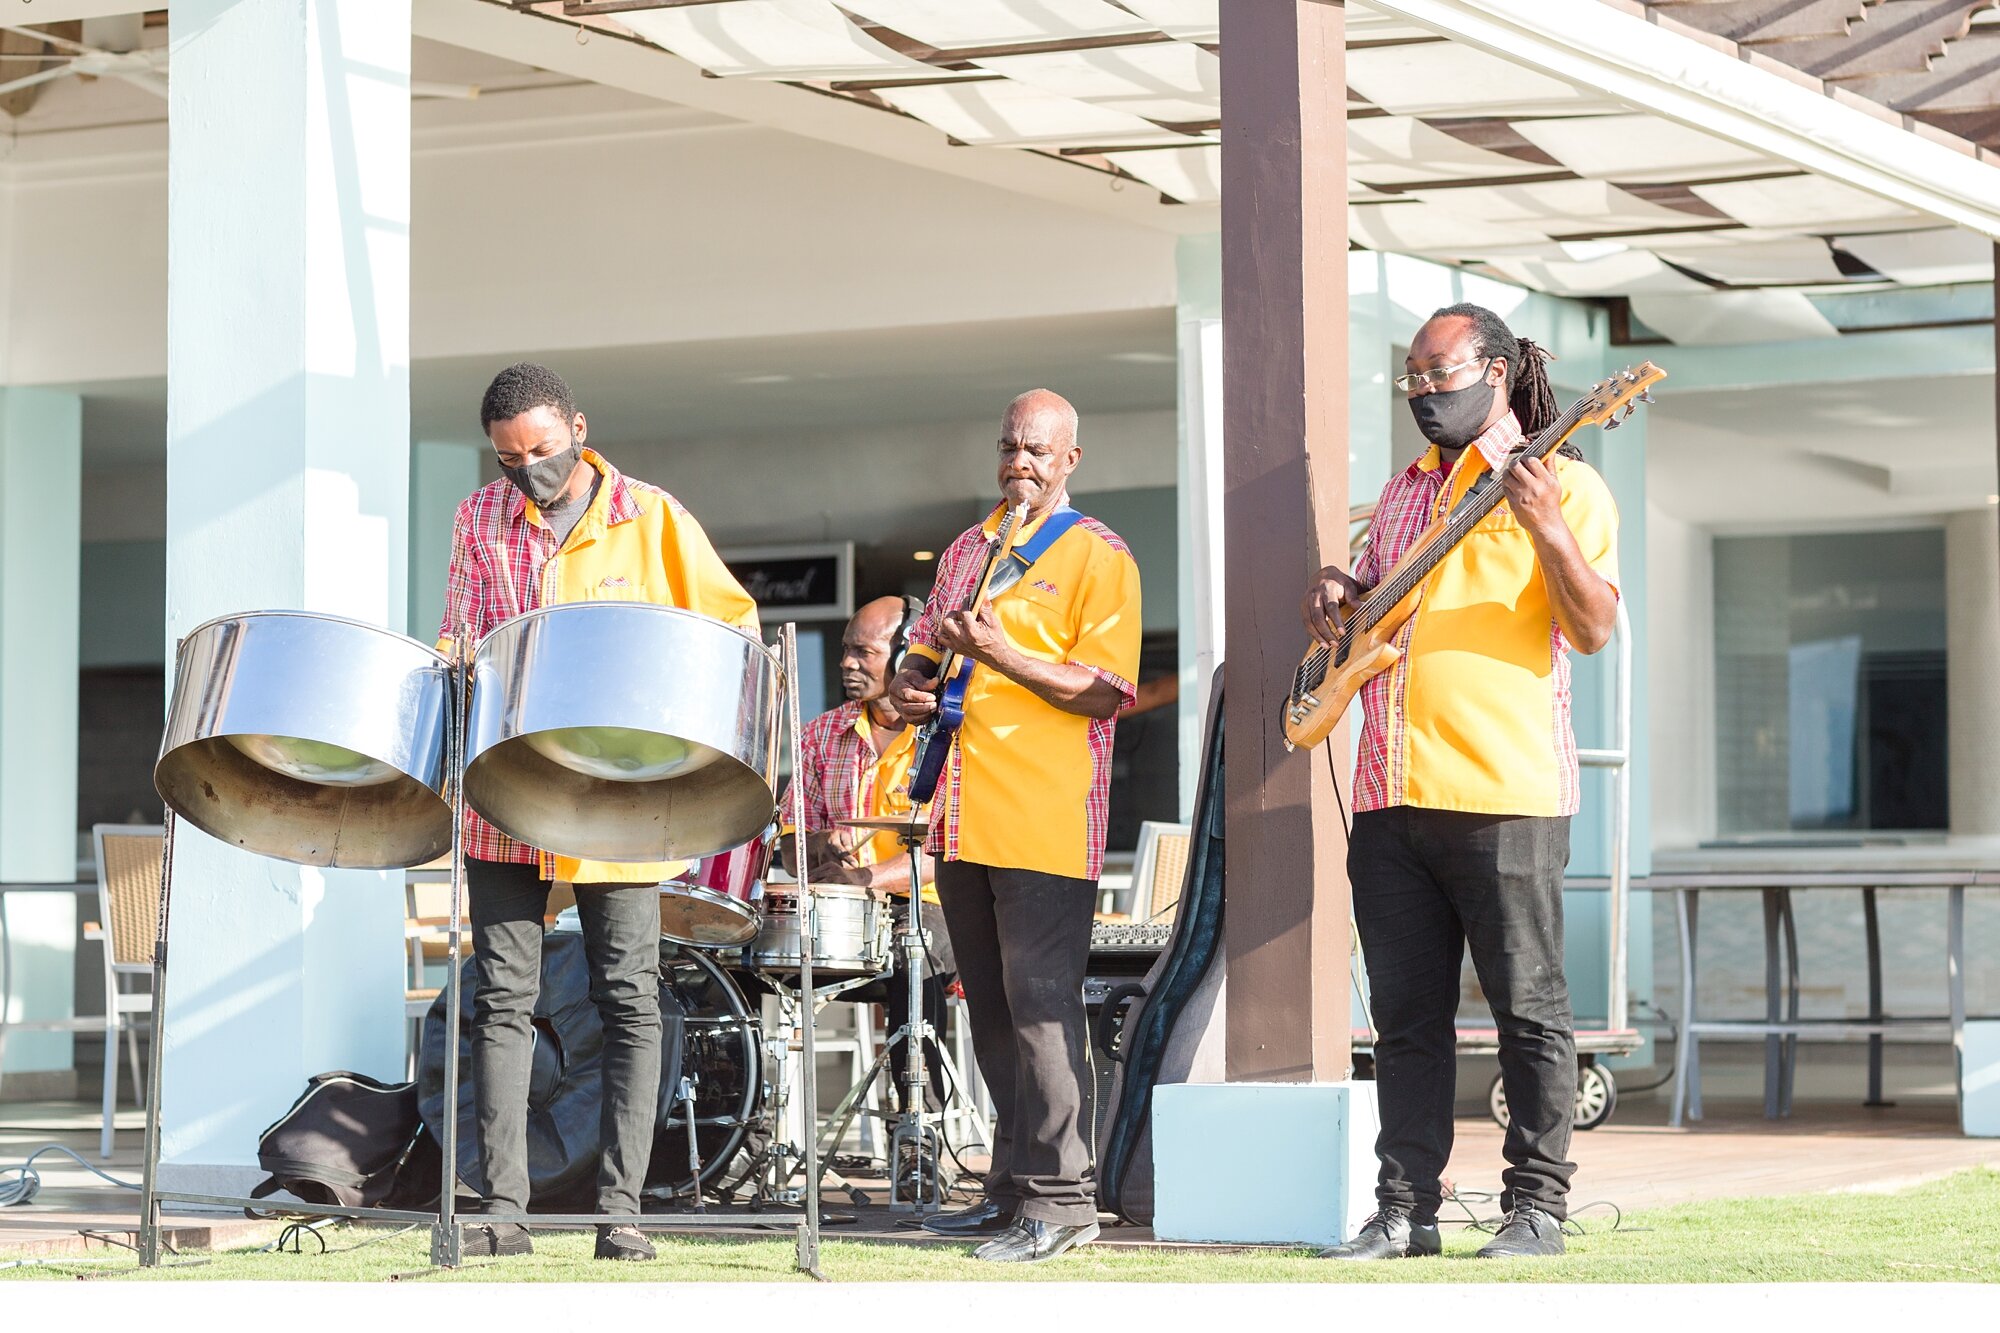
(1022, 940)
(621, 940)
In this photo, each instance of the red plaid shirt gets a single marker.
(958, 574)
(1410, 502)
(499, 570)
(846, 779)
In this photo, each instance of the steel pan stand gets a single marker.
(916, 1130)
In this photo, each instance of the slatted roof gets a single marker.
(1455, 154)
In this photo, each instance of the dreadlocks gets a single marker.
(1527, 383)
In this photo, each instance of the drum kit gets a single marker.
(603, 731)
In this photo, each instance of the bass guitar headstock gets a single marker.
(1625, 390)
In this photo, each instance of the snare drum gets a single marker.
(715, 905)
(853, 933)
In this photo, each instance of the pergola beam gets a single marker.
(1834, 135)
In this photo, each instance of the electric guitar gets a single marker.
(935, 740)
(1332, 674)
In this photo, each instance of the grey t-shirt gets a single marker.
(563, 518)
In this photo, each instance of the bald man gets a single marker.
(1018, 821)
(854, 761)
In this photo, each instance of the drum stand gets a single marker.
(447, 1242)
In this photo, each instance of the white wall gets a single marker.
(1680, 647)
(658, 233)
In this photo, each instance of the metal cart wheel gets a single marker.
(1596, 1098)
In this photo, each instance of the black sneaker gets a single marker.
(497, 1240)
(624, 1242)
(1526, 1232)
(1389, 1234)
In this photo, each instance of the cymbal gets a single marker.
(888, 824)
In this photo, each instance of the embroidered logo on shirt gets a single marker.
(1047, 587)
(615, 581)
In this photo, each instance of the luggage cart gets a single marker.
(1596, 1087)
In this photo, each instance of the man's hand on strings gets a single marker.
(1328, 602)
(976, 635)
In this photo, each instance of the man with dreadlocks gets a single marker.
(1467, 777)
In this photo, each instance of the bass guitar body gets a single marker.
(934, 742)
(1312, 713)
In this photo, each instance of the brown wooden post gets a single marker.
(1284, 345)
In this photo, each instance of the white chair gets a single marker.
(128, 910)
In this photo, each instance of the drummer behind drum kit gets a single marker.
(603, 731)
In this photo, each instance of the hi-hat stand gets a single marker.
(447, 1245)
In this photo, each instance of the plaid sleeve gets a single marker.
(461, 583)
(923, 635)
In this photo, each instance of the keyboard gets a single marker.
(1130, 936)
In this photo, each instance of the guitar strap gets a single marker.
(1023, 558)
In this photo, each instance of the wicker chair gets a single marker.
(1159, 865)
(128, 907)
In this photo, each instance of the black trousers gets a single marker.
(940, 970)
(621, 941)
(1428, 883)
(1023, 943)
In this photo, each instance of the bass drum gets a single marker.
(709, 1035)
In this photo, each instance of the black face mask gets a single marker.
(544, 479)
(1452, 420)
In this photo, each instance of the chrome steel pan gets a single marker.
(310, 738)
(623, 731)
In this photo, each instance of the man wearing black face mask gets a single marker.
(1467, 776)
(563, 525)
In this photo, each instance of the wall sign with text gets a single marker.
(810, 582)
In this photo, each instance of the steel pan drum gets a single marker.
(623, 731)
(310, 738)
(716, 904)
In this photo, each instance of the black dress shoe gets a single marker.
(624, 1242)
(985, 1218)
(494, 1240)
(1389, 1235)
(1527, 1232)
(1031, 1240)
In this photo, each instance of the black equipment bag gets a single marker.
(1172, 1026)
(565, 1083)
(348, 1142)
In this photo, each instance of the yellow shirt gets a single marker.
(1028, 785)
(843, 778)
(1476, 715)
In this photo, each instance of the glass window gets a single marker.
(1830, 682)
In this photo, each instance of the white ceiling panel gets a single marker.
(1797, 259)
(1924, 258)
(1556, 207)
(1190, 20)
(1003, 114)
(950, 24)
(1447, 79)
(773, 39)
(1733, 317)
(1402, 150)
(1173, 81)
(1639, 148)
(1418, 228)
(1611, 275)
(1802, 203)
(1191, 175)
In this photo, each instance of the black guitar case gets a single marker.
(1173, 1021)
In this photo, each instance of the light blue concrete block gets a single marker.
(1979, 1079)
(1263, 1163)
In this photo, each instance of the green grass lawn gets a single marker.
(1946, 1231)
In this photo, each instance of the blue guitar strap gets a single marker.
(1023, 558)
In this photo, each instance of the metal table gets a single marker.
(1781, 1026)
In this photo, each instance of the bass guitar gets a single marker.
(1332, 674)
(934, 741)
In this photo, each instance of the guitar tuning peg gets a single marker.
(1630, 408)
(1612, 423)
(1646, 396)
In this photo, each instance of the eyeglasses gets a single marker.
(1435, 379)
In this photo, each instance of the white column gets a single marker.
(1972, 640)
(287, 486)
(41, 447)
(1198, 337)
(442, 473)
